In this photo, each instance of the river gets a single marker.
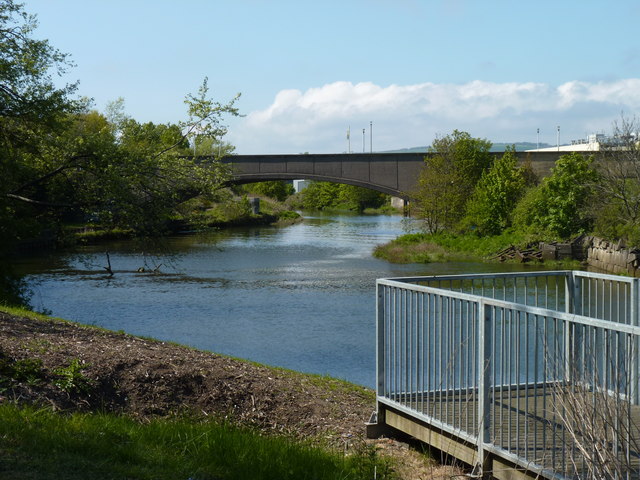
(300, 297)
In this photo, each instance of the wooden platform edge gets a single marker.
(494, 467)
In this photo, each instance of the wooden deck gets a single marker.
(528, 436)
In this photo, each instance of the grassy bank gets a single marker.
(83, 402)
(39, 443)
(442, 247)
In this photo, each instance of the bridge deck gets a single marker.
(392, 173)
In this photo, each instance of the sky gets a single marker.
(404, 71)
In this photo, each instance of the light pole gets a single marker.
(363, 140)
(349, 139)
(370, 137)
(538, 140)
(558, 138)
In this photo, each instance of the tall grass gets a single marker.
(40, 443)
(429, 247)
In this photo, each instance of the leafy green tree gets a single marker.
(155, 173)
(452, 169)
(498, 190)
(559, 207)
(359, 198)
(320, 195)
(278, 190)
(31, 107)
(211, 147)
(206, 117)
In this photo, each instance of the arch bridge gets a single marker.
(395, 174)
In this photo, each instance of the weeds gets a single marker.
(28, 370)
(71, 379)
(428, 247)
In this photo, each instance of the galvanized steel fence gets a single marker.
(540, 369)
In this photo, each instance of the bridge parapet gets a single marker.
(392, 173)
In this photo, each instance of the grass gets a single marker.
(40, 443)
(440, 247)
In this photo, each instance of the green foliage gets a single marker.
(359, 198)
(27, 370)
(288, 215)
(558, 208)
(498, 190)
(320, 195)
(43, 444)
(445, 246)
(206, 115)
(71, 379)
(59, 159)
(616, 200)
(327, 195)
(452, 170)
(31, 108)
(278, 190)
(614, 217)
(469, 155)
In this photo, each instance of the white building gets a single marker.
(590, 144)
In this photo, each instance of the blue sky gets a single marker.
(307, 70)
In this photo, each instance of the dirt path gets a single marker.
(141, 377)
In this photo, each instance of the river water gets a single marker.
(300, 297)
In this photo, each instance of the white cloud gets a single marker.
(412, 115)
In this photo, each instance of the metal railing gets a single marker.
(539, 369)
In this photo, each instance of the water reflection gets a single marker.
(301, 297)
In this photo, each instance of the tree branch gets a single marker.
(65, 166)
(38, 202)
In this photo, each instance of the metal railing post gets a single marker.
(572, 296)
(485, 333)
(380, 340)
(635, 346)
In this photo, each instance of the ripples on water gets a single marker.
(300, 297)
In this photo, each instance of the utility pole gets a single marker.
(363, 140)
(538, 140)
(370, 137)
(349, 139)
(558, 138)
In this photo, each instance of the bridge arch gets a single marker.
(244, 179)
(395, 174)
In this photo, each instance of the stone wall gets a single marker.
(612, 257)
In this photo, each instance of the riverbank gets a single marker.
(69, 367)
(447, 247)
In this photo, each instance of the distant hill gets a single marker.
(496, 147)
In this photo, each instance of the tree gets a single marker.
(206, 116)
(31, 108)
(153, 171)
(320, 195)
(498, 190)
(559, 206)
(452, 169)
(617, 203)
(359, 198)
(278, 190)
(28, 97)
